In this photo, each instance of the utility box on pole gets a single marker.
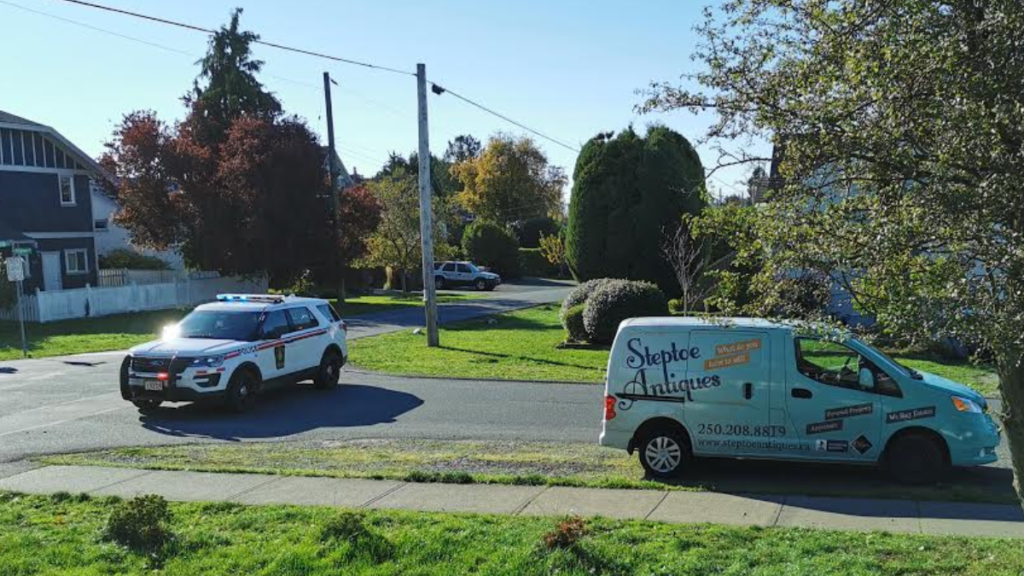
(426, 211)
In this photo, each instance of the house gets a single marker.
(46, 208)
(110, 236)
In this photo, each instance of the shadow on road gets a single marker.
(284, 413)
(8, 370)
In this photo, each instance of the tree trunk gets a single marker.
(1011, 386)
(405, 288)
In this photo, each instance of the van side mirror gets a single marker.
(866, 378)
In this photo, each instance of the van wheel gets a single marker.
(481, 285)
(241, 393)
(329, 372)
(665, 453)
(916, 459)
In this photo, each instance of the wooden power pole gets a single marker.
(426, 212)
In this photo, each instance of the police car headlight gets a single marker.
(965, 404)
(208, 362)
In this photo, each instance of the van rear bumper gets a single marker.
(616, 439)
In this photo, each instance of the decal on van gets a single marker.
(726, 361)
(669, 391)
(862, 444)
(912, 414)
(737, 347)
(848, 411)
(827, 426)
(831, 445)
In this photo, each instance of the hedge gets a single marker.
(619, 300)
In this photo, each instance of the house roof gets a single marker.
(8, 120)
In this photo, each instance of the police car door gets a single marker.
(304, 344)
(833, 402)
(727, 409)
(271, 356)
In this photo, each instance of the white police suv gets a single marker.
(233, 349)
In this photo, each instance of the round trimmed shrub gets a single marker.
(574, 328)
(619, 300)
(579, 296)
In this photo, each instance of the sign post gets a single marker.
(16, 273)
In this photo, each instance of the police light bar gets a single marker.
(258, 298)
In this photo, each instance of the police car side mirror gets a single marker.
(866, 378)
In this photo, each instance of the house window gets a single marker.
(67, 190)
(76, 261)
(101, 225)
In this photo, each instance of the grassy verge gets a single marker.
(531, 463)
(360, 305)
(522, 345)
(64, 535)
(86, 334)
(519, 345)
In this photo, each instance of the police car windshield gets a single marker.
(220, 325)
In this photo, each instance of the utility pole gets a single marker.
(426, 211)
(333, 180)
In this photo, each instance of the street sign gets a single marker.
(15, 269)
(4, 243)
(22, 251)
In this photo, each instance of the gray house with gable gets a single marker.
(46, 205)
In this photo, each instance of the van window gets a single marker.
(834, 364)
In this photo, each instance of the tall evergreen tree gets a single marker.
(627, 191)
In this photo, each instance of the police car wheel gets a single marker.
(241, 394)
(147, 406)
(915, 459)
(664, 453)
(126, 390)
(329, 372)
(439, 282)
(481, 284)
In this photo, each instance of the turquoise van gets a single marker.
(748, 388)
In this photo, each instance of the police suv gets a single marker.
(233, 349)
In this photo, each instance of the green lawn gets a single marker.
(522, 345)
(63, 535)
(517, 346)
(126, 330)
(529, 463)
(360, 305)
(86, 334)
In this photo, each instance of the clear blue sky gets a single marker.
(568, 68)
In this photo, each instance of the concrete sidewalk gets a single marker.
(663, 506)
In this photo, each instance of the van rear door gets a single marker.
(728, 409)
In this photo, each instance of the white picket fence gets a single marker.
(52, 305)
(123, 276)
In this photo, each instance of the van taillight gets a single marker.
(609, 407)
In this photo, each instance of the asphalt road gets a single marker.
(72, 403)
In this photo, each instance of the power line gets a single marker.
(195, 28)
(438, 89)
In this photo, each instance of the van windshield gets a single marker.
(904, 370)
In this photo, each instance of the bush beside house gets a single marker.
(123, 258)
(602, 304)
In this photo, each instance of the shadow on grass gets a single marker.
(520, 357)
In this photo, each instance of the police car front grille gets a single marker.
(142, 364)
